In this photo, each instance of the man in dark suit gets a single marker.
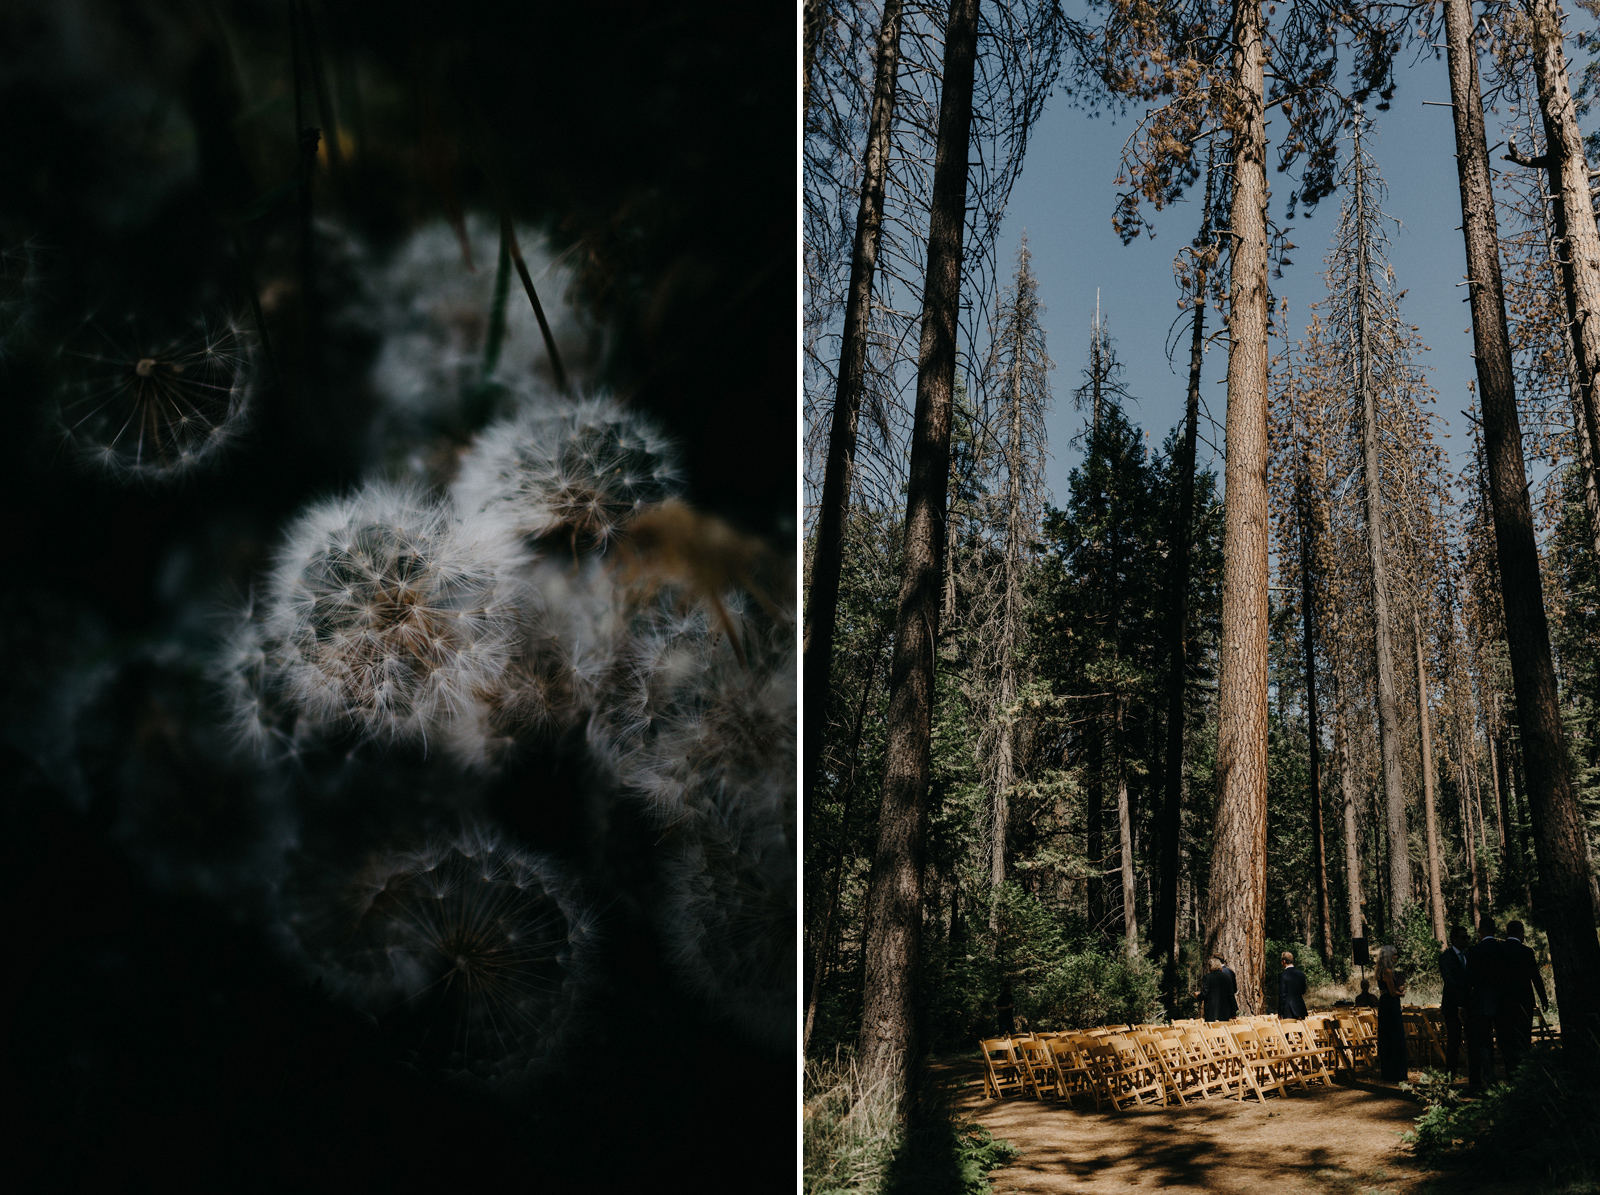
(1483, 1004)
(1219, 991)
(1291, 989)
(1520, 980)
(1453, 1000)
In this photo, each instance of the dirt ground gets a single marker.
(1344, 1141)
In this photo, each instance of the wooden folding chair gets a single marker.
(1074, 1073)
(1003, 1075)
(1433, 1015)
(1270, 1070)
(1419, 1037)
(1178, 1075)
(1313, 1060)
(1208, 1072)
(1330, 1034)
(1232, 1067)
(1543, 1030)
(1362, 1034)
(1128, 1077)
(1038, 1066)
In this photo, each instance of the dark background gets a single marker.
(155, 1041)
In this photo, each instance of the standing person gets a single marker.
(1291, 989)
(1520, 980)
(1219, 991)
(1483, 1004)
(1004, 1008)
(1392, 1064)
(1453, 1000)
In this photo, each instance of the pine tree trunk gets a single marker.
(893, 923)
(1130, 915)
(1563, 858)
(1464, 795)
(1165, 918)
(1388, 705)
(1435, 886)
(1011, 619)
(814, 18)
(1519, 823)
(1591, 484)
(1236, 902)
(1352, 834)
(1499, 804)
(1577, 240)
(1001, 810)
(836, 879)
(1483, 833)
(1094, 825)
(822, 596)
(1314, 736)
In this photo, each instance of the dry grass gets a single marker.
(1324, 996)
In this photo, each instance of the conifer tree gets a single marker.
(1018, 385)
(1563, 857)
(822, 596)
(1195, 270)
(1212, 60)
(888, 1046)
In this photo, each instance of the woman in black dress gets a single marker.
(1391, 1030)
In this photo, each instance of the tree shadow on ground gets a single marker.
(1194, 1147)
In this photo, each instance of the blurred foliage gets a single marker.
(1540, 1130)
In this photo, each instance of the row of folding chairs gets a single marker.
(1180, 1063)
(1425, 1033)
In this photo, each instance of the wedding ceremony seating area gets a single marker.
(1177, 1064)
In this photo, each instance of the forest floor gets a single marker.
(1344, 1141)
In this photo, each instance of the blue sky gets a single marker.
(1064, 200)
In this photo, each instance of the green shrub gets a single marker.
(979, 1151)
(1543, 1124)
(1096, 989)
(1305, 957)
(1416, 949)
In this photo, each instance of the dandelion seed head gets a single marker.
(149, 759)
(574, 472)
(691, 721)
(388, 613)
(484, 946)
(144, 410)
(728, 918)
(432, 318)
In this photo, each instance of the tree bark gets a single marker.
(822, 597)
(814, 17)
(1558, 828)
(1435, 886)
(1130, 915)
(1464, 794)
(1483, 832)
(1094, 826)
(1165, 918)
(1011, 612)
(1314, 733)
(836, 880)
(1236, 902)
(1577, 241)
(1388, 705)
(1352, 836)
(893, 923)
